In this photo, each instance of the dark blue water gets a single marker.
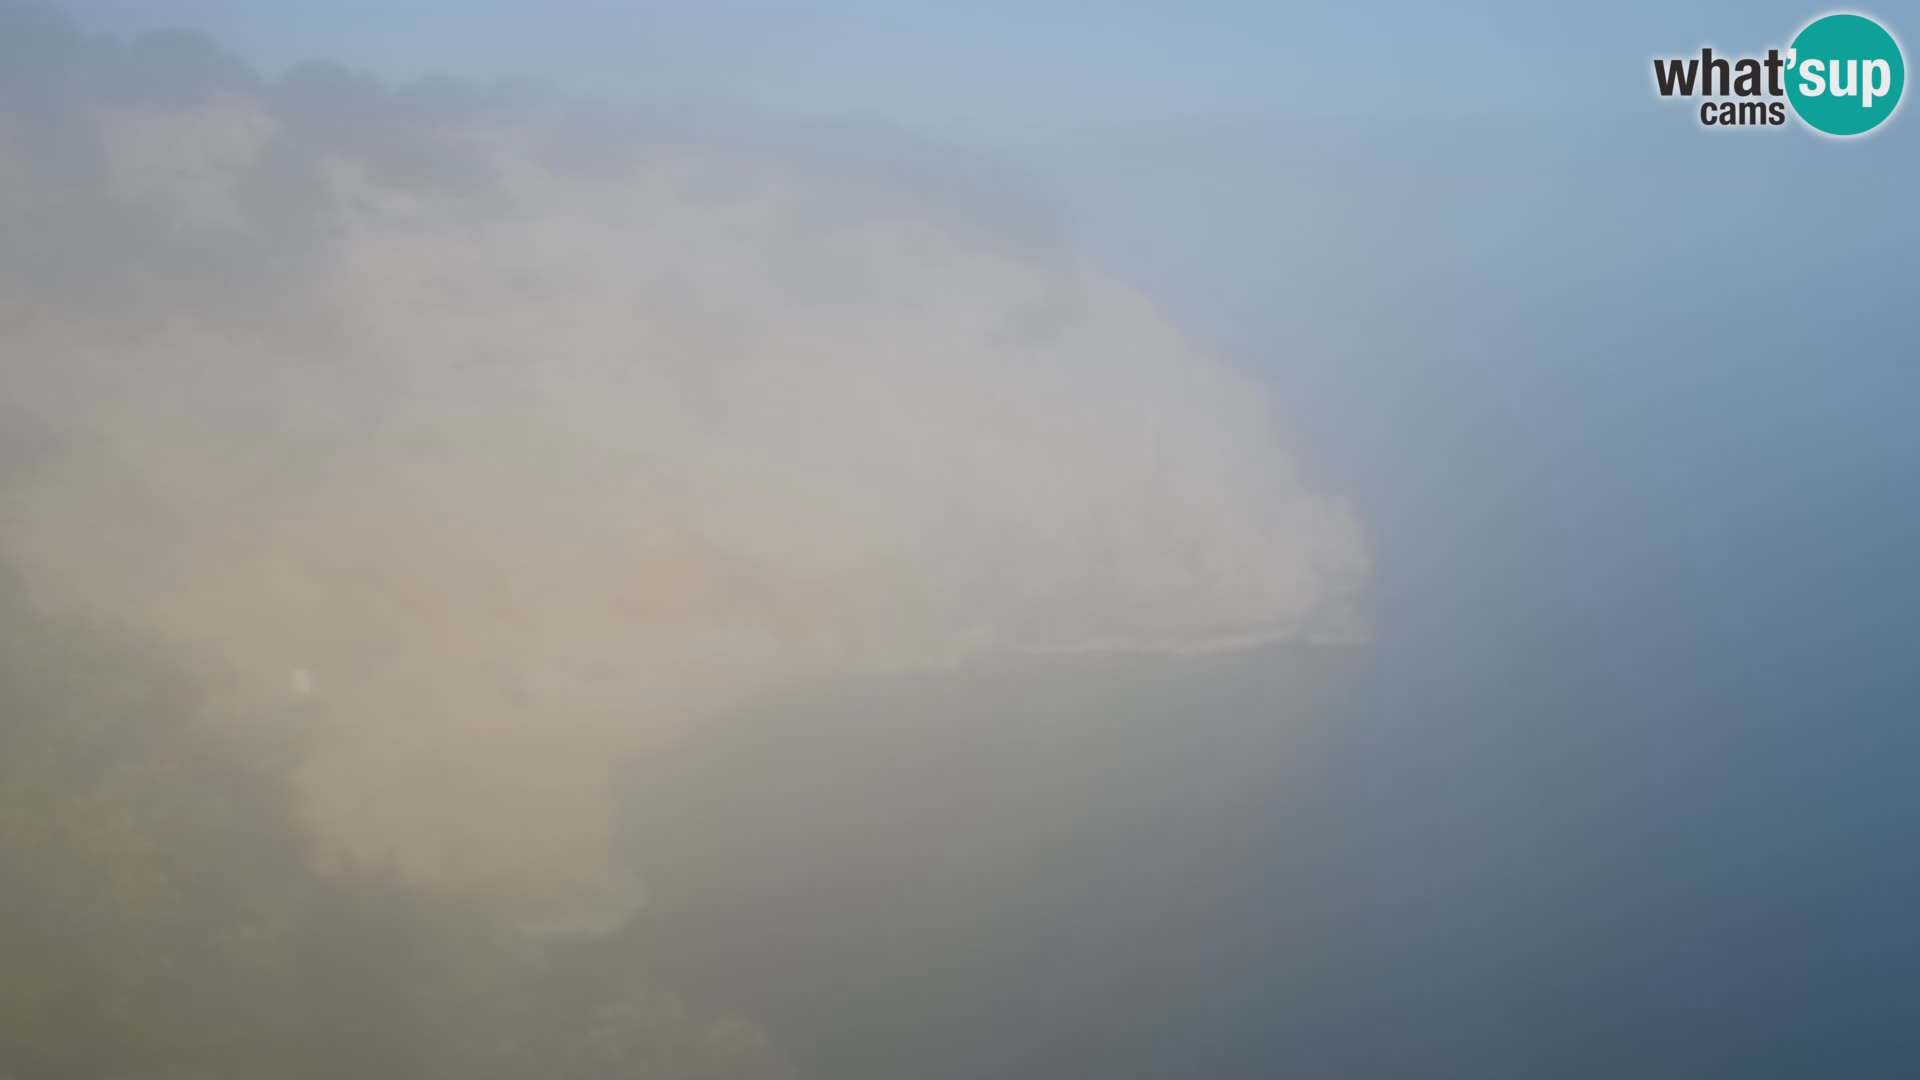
(1624, 783)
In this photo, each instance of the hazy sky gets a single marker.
(1621, 781)
(1044, 68)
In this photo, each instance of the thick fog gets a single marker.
(493, 436)
(892, 541)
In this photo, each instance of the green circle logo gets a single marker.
(1845, 74)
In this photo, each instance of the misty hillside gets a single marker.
(164, 913)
